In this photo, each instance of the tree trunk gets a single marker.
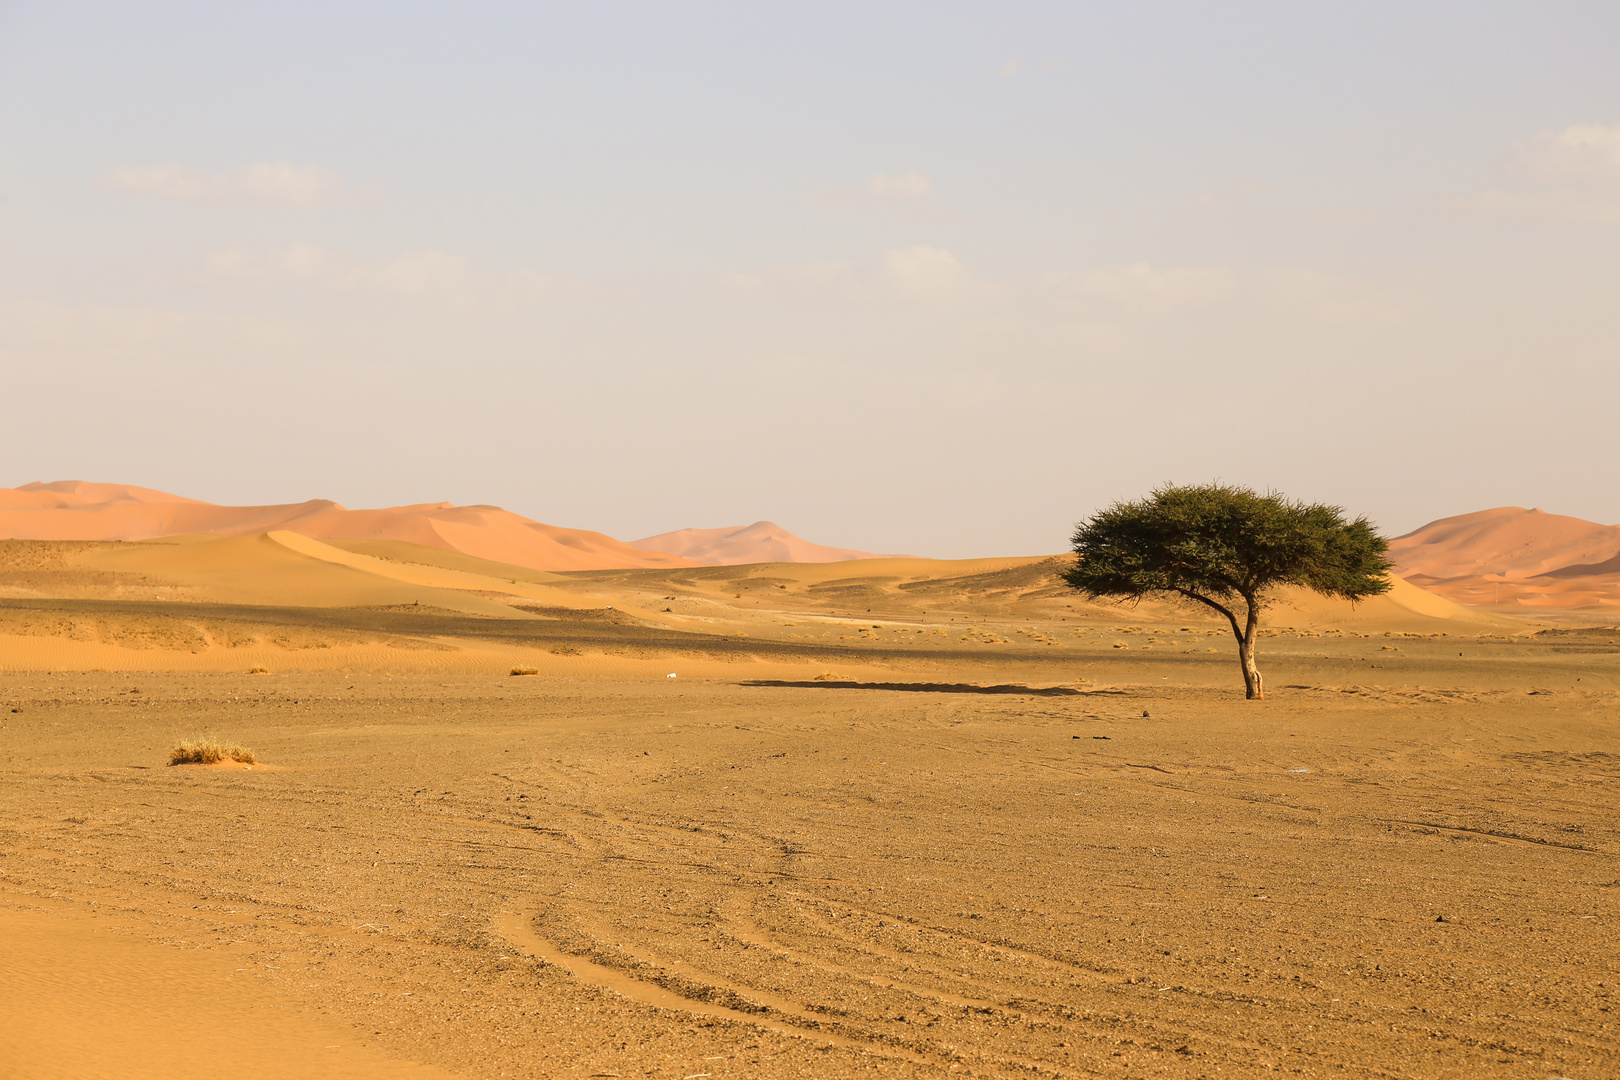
(1253, 689)
(1245, 634)
(1253, 686)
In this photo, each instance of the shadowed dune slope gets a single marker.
(1405, 608)
(284, 568)
(185, 601)
(74, 510)
(1019, 587)
(761, 542)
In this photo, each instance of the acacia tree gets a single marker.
(1226, 548)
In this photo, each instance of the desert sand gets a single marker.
(891, 817)
(1510, 558)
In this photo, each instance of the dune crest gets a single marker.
(74, 510)
(737, 545)
(77, 494)
(1510, 556)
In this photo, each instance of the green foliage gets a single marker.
(1217, 544)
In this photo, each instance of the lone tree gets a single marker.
(1227, 548)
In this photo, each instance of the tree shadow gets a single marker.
(923, 687)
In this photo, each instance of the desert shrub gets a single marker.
(207, 750)
(525, 671)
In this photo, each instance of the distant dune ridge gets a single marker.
(74, 510)
(763, 541)
(1507, 556)
(148, 581)
(1514, 557)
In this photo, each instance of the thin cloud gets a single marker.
(27, 327)
(1561, 207)
(1225, 198)
(266, 184)
(1570, 176)
(1108, 300)
(1583, 152)
(910, 186)
(429, 275)
(924, 271)
(1141, 292)
(920, 274)
(907, 195)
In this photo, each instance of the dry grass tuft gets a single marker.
(525, 671)
(208, 750)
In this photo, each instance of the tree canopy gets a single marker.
(1227, 548)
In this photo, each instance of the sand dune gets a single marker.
(1405, 608)
(285, 600)
(1508, 541)
(284, 568)
(761, 542)
(74, 510)
(1513, 557)
(1509, 556)
(1013, 587)
(78, 495)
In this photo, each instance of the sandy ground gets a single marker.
(84, 996)
(980, 830)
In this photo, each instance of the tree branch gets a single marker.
(1230, 616)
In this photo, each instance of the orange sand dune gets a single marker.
(206, 602)
(74, 510)
(1513, 557)
(285, 568)
(1508, 541)
(739, 545)
(78, 495)
(1405, 608)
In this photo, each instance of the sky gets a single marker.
(933, 278)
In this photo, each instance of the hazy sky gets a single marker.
(923, 277)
